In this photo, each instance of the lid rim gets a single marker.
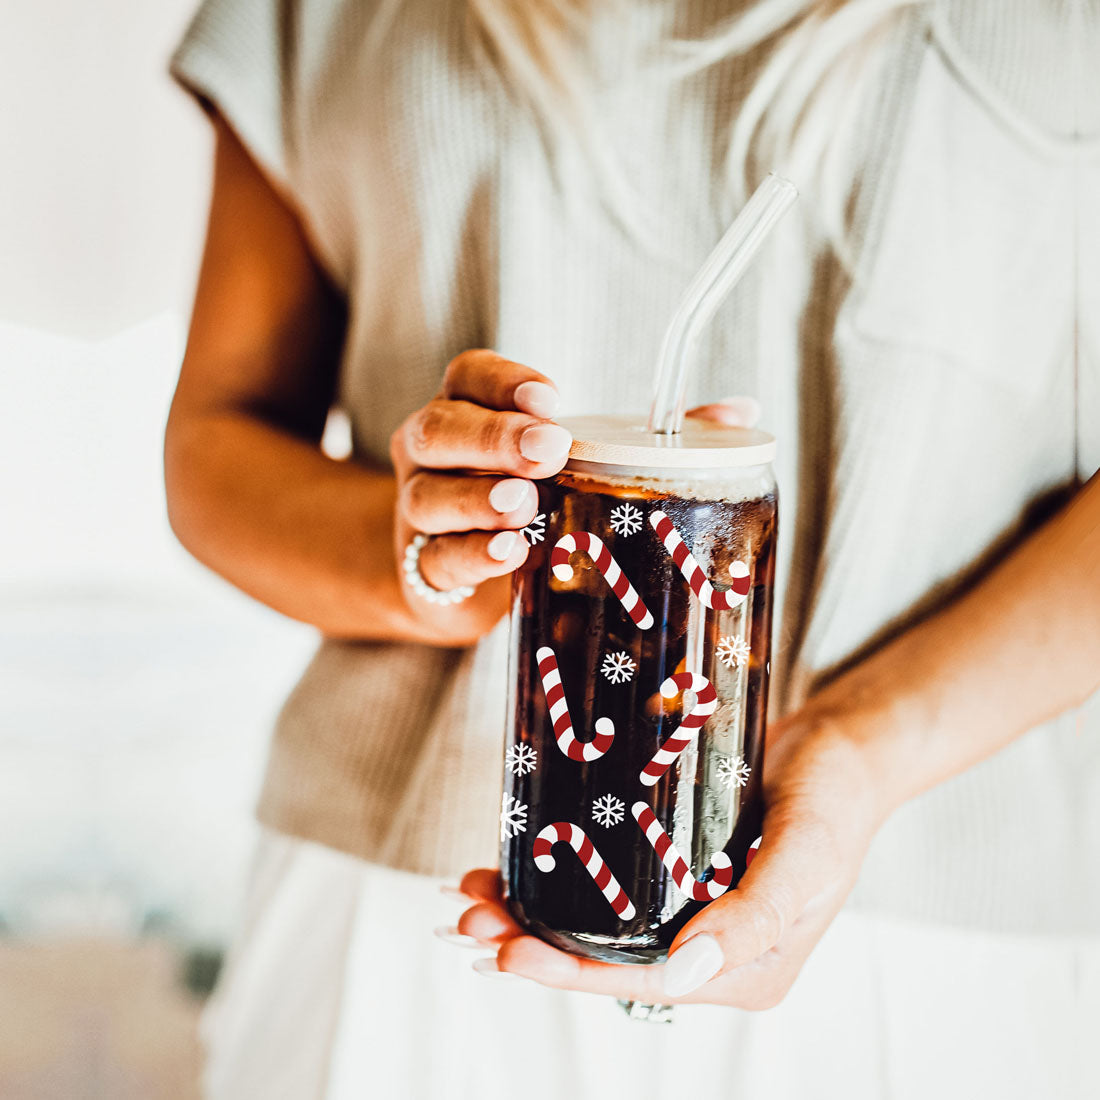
(583, 468)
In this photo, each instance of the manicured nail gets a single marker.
(693, 964)
(545, 443)
(501, 544)
(456, 893)
(451, 934)
(536, 398)
(745, 409)
(507, 496)
(488, 968)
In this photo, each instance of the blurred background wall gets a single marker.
(136, 690)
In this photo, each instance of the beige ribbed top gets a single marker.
(930, 404)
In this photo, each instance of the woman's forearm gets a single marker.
(1022, 646)
(250, 492)
(309, 536)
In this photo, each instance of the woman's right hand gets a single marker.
(466, 464)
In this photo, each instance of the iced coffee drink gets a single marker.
(639, 677)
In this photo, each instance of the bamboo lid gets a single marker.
(625, 441)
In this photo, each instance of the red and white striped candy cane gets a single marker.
(706, 699)
(589, 544)
(559, 714)
(577, 839)
(754, 847)
(694, 575)
(677, 866)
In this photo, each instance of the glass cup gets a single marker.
(641, 627)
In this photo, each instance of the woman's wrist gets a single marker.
(883, 719)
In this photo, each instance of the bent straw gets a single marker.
(716, 278)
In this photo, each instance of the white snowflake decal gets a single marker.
(608, 810)
(733, 771)
(732, 652)
(520, 759)
(626, 519)
(513, 817)
(535, 531)
(618, 667)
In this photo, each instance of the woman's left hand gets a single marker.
(931, 702)
(746, 948)
(823, 805)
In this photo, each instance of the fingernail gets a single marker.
(451, 934)
(454, 892)
(746, 409)
(488, 968)
(507, 496)
(501, 544)
(536, 398)
(693, 964)
(545, 443)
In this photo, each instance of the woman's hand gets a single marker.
(926, 705)
(746, 948)
(465, 466)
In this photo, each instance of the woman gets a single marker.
(400, 182)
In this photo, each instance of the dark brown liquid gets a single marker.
(582, 620)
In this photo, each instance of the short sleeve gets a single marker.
(233, 56)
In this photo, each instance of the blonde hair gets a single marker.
(799, 118)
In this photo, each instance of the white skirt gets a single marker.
(336, 989)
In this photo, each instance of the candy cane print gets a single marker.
(577, 839)
(706, 699)
(589, 544)
(694, 575)
(559, 714)
(677, 866)
(754, 847)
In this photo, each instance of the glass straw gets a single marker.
(716, 278)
